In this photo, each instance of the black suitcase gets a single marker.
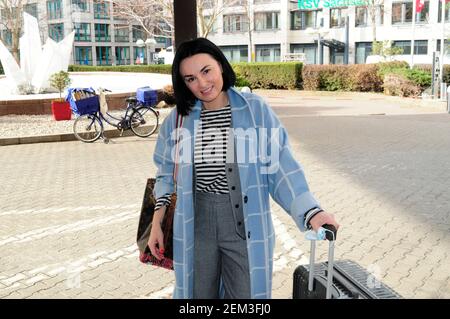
(343, 279)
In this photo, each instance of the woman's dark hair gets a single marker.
(184, 98)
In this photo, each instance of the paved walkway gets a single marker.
(68, 211)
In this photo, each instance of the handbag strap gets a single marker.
(175, 168)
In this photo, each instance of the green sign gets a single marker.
(316, 4)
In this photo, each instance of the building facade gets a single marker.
(100, 37)
(344, 28)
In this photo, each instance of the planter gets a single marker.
(61, 110)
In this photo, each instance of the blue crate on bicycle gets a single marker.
(83, 100)
(147, 96)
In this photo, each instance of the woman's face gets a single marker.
(203, 76)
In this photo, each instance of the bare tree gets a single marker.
(374, 7)
(208, 12)
(12, 21)
(247, 5)
(154, 16)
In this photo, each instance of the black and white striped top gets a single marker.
(209, 153)
(211, 149)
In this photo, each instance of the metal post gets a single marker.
(347, 39)
(330, 268)
(319, 44)
(448, 100)
(311, 265)
(433, 75)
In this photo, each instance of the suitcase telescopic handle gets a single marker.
(330, 232)
(330, 235)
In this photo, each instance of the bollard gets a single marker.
(448, 99)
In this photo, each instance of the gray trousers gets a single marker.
(218, 250)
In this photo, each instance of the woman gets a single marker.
(233, 153)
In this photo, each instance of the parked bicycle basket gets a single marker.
(147, 96)
(83, 100)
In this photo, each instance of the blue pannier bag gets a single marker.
(83, 101)
(147, 96)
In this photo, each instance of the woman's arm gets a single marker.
(286, 178)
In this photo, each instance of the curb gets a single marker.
(62, 137)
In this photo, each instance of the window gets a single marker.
(405, 45)
(121, 33)
(122, 56)
(103, 55)
(446, 46)
(336, 57)
(6, 36)
(82, 31)
(235, 23)
(268, 53)
(31, 8)
(402, 12)
(447, 12)
(238, 53)
(102, 33)
(139, 55)
(80, 5)
(421, 47)
(165, 41)
(214, 25)
(303, 19)
(265, 1)
(337, 18)
(209, 4)
(138, 33)
(56, 31)
(54, 10)
(309, 49)
(363, 50)
(266, 21)
(424, 15)
(101, 10)
(83, 55)
(361, 17)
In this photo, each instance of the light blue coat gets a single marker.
(272, 171)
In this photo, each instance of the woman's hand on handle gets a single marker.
(156, 239)
(321, 219)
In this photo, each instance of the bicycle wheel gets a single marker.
(87, 128)
(144, 121)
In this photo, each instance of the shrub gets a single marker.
(1, 69)
(167, 95)
(60, 80)
(241, 81)
(419, 77)
(311, 77)
(428, 69)
(359, 77)
(391, 67)
(269, 75)
(367, 78)
(396, 84)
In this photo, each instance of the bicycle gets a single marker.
(141, 119)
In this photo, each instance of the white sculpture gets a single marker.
(37, 64)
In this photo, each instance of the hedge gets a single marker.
(356, 77)
(270, 75)
(428, 68)
(157, 68)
